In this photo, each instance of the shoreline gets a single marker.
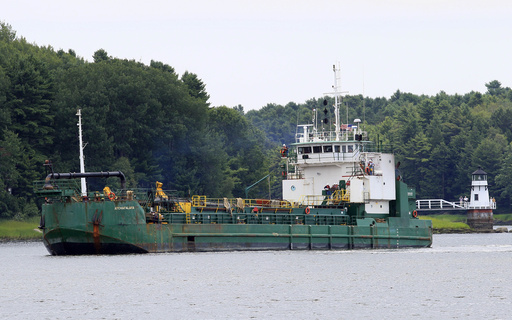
(7, 240)
(436, 231)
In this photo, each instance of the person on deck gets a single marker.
(284, 151)
(371, 167)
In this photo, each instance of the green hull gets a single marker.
(141, 222)
(110, 228)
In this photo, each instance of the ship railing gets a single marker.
(199, 201)
(267, 203)
(142, 195)
(260, 217)
(377, 148)
(336, 198)
(340, 195)
(327, 157)
(71, 187)
(239, 203)
(351, 156)
(319, 136)
(294, 176)
(312, 200)
(68, 187)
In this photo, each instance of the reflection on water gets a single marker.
(462, 276)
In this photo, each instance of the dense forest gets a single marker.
(153, 124)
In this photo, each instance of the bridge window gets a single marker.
(350, 148)
(336, 148)
(303, 150)
(327, 148)
(344, 149)
(317, 149)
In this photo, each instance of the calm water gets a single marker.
(461, 277)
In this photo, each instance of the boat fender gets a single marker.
(415, 214)
(307, 210)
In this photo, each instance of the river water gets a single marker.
(463, 276)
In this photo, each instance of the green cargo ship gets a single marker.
(340, 191)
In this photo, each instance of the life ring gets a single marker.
(415, 214)
(307, 210)
(112, 196)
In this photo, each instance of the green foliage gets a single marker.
(503, 218)
(152, 124)
(439, 140)
(100, 55)
(7, 34)
(504, 177)
(494, 88)
(142, 120)
(196, 87)
(20, 230)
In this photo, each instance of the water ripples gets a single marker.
(461, 276)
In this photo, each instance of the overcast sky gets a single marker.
(278, 51)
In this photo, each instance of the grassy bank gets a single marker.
(448, 223)
(20, 230)
(442, 223)
(503, 219)
(456, 223)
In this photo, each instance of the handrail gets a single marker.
(440, 204)
(74, 175)
(203, 202)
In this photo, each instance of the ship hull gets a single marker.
(73, 229)
(234, 242)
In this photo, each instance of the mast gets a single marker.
(337, 98)
(337, 78)
(82, 146)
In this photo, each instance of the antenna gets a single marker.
(364, 108)
(82, 146)
(337, 94)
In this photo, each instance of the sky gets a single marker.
(253, 53)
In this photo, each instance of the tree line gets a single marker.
(439, 140)
(154, 124)
(145, 120)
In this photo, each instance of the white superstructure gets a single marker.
(339, 166)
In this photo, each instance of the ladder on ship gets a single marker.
(187, 218)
